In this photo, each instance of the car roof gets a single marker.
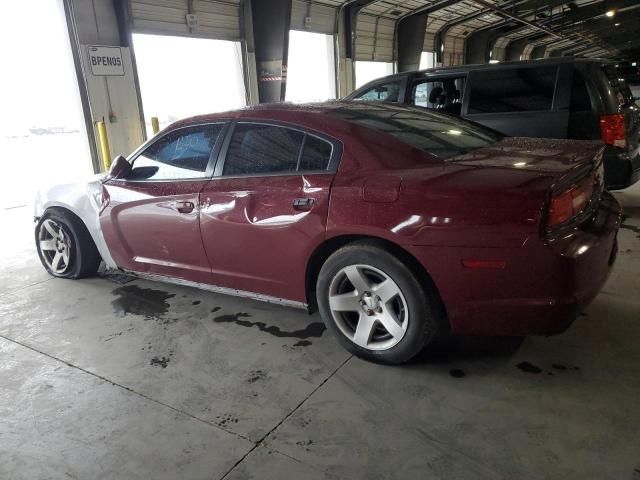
(460, 69)
(290, 112)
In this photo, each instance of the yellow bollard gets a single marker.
(155, 125)
(104, 145)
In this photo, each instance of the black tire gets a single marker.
(427, 323)
(84, 258)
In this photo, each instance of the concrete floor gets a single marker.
(149, 381)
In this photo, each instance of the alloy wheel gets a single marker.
(368, 307)
(55, 246)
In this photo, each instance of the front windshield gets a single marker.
(440, 135)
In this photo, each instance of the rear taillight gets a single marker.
(570, 202)
(612, 130)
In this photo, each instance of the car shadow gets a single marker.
(470, 348)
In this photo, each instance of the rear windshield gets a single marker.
(437, 134)
(618, 85)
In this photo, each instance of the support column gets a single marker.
(271, 21)
(114, 99)
(346, 24)
(476, 47)
(515, 50)
(538, 52)
(410, 41)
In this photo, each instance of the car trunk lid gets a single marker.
(572, 169)
(555, 158)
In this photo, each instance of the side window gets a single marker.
(442, 94)
(315, 154)
(181, 154)
(256, 149)
(260, 149)
(580, 100)
(388, 92)
(512, 90)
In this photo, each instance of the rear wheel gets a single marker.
(376, 307)
(65, 247)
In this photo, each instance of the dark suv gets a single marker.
(555, 98)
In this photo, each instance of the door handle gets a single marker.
(302, 203)
(184, 207)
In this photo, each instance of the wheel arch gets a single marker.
(82, 210)
(331, 245)
(65, 210)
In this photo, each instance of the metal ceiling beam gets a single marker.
(593, 22)
(441, 34)
(439, 5)
(577, 18)
(516, 17)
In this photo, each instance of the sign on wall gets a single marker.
(105, 61)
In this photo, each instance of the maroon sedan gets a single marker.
(400, 226)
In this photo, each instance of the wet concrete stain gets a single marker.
(256, 375)
(147, 302)
(313, 330)
(302, 343)
(112, 336)
(302, 422)
(559, 366)
(225, 420)
(457, 373)
(162, 362)
(305, 443)
(528, 367)
(195, 302)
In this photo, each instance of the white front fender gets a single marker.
(84, 200)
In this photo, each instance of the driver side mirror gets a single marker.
(120, 168)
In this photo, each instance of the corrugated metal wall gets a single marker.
(322, 17)
(217, 19)
(453, 51)
(374, 38)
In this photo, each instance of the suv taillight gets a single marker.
(570, 202)
(612, 130)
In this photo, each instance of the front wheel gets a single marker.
(65, 247)
(375, 305)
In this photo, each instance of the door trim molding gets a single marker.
(223, 290)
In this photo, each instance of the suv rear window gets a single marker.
(440, 135)
(512, 90)
(619, 86)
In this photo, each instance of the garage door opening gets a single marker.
(310, 69)
(43, 139)
(427, 60)
(367, 71)
(180, 76)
